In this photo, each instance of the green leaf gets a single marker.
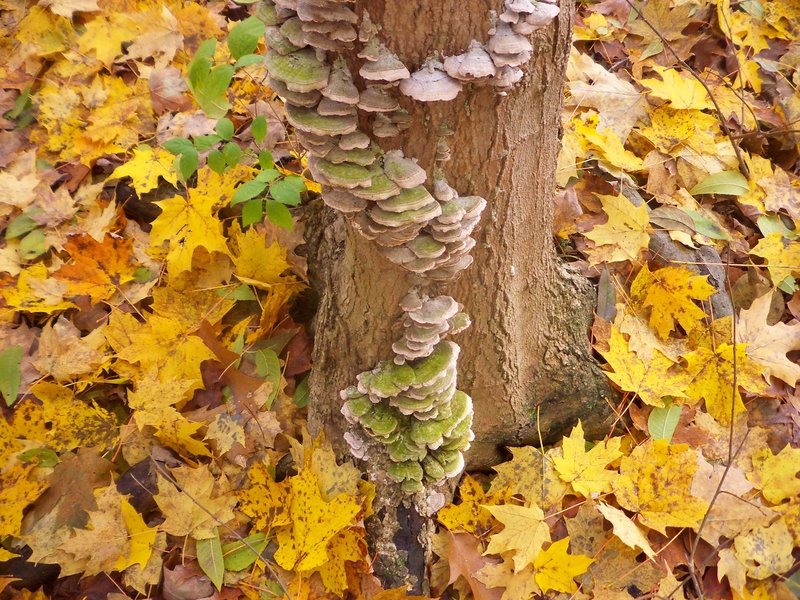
(209, 89)
(730, 183)
(247, 60)
(280, 215)
(268, 175)
(268, 366)
(301, 393)
(232, 153)
(252, 212)
(143, 275)
(662, 422)
(19, 226)
(209, 557)
(241, 292)
(265, 159)
(259, 128)
(204, 142)
(247, 191)
(44, 456)
(21, 104)
(286, 190)
(10, 374)
(216, 161)
(241, 554)
(178, 145)
(33, 245)
(188, 163)
(243, 37)
(706, 226)
(224, 128)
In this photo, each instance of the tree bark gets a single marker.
(526, 360)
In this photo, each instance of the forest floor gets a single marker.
(154, 352)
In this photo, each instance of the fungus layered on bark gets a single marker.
(410, 404)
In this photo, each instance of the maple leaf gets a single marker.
(625, 529)
(776, 475)
(672, 130)
(469, 515)
(256, 263)
(653, 379)
(767, 344)
(186, 224)
(531, 474)
(66, 8)
(464, 560)
(668, 294)
(524, 532)
(65, 355)
(782, 256)
(781, 193)
(712, 376)
(655, 481)
(625, 234)
(36, 292)
(611, 153)
(349, 545)
(518, 586)
(19, 487)
(197, 504)
(265, 500)
(314, 522)
(146, 166)
(586, 471)
(103, 37)
(765, 551)
(679, 90)
(555, 569)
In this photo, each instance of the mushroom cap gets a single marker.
(507, 76)
(435, 310)
(382, 126)
(384, 66)
(340, 87)
(344, 175)
(408, 199)
(306, 99)
(359, 156)
(512, 60)
(399, 219)
(309, 120)
(320, 41)
(407, 470)
(331, 11)
(405, 172)
(473, 205)
(475, 63)
(505, 41)
(357, 139)
(542, 14)
(328, 107)
(376, 99)
(343, 201)
(425, 246)
(367, 30)
(338, 31)
(301, 70)
(380, 188)
(292, 30)
(278, 42)
(430, 84)
(520, 6)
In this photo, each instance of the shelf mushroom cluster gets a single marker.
(411, 404)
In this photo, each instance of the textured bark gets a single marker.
(525, 361)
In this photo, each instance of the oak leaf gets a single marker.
(623, 236)
(524, 533)
(767, 344)
(668, 295)
(555, 569)
(586, 470)
(655, 481)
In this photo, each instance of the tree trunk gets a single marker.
(525, 361)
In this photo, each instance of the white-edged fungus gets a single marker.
(384, 66)
(475, 63)
(431, 84)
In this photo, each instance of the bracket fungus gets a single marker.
(410, 404)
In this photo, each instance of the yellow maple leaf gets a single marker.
(668, 294)
(146, 166)
(518, 586)
(625, 234)
(156, 344)
(712, 376)
(655, 481)
(625, 529)
(653, 379)
(469, 515)
(349, 545)
(611, 152)
(198, 503)
(679, 90)
(19, 487)
(186, 224)
(586, 471)
(524, 533)
(314, 523)
(782, 256)
(765, 551)
(671, 131)
(556, 569)
(66, 8)
(65, 355)
(42, 33)
(265, 500)
(256, 263)
(531, 474)
(37, 292)
(103, 37)
(776, 475)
